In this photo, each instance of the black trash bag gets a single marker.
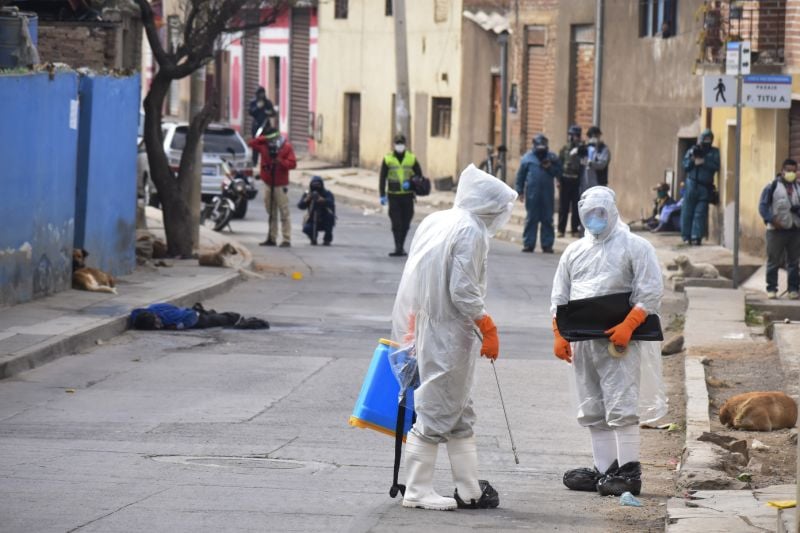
(589, 318)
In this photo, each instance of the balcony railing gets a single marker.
(762, 22)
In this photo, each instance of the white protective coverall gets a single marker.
(613, 392)
(444, 286)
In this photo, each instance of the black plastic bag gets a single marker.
(589, 318)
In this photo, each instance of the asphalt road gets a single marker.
(247, 431)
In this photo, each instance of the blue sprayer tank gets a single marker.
(11, 37)
(376, 407)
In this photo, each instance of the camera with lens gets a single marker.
(583, 150)
(698, 151)
(273, 150)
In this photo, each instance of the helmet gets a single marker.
(540, 140)
(575, 130)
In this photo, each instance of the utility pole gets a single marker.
(402, 97)
(737, 172)
(503, 40)
(197, 101)
(598, 61)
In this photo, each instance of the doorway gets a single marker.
(352, 128)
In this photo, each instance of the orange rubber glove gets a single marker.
(412, 325)
(620, 335)
(561, 346)
(491, 343)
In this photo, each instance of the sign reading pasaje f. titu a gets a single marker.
(767, 91)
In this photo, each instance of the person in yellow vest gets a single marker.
(396, 171)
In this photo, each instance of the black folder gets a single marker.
(589, 318)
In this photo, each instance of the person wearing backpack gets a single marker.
(398, 167)
(779, 206)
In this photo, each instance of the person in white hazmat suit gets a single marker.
(615, 391)
(439, 307)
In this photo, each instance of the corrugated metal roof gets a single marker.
(493, 21)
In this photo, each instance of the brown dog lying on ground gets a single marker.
(759, 411)
(87, 278)
(218, 258)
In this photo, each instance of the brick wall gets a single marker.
(583, 92)
(792, 46)
(78, 44)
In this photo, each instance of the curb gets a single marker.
(62, 345)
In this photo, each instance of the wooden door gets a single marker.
(352, 128)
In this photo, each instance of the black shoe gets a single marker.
(285, 244)
(326, 243)
(627, 478)
(585, 479)
(696, 242)
(398, 253)
(489, 498)
(547, 250)
(313, 242)
(560, 235)
(528, 249)
(267, 243)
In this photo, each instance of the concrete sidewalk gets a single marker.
(42, 330)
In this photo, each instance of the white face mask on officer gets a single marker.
(399, 148)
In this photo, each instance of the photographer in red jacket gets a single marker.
(277, 159)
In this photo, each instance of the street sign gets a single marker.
(719, 91)
(732, 67)
(771, 92)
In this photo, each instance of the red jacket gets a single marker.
(285, 160)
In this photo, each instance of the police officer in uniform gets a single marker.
(396, 171)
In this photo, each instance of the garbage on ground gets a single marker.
(758, 445)
(745, 476)
(69, 391)
(629, 500)
(670, 427)
(783, 504)
(297, 276)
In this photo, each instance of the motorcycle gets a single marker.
(237, 191)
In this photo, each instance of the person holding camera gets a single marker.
(261, 109)
(595, 160)
(396, 171)
(535, 186)
(569, 188)
(701, 163)
(277, 159)
(321, 212)
(779, 206)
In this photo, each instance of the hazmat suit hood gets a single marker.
(600, 200)
(486, 197)
(707, 133)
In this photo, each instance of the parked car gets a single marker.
(219, 141)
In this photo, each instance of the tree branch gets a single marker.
(148, 21)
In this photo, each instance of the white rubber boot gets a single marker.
(420, 461)
(464, 463)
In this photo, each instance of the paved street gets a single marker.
(247, 431)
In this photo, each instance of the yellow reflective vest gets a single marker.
(399, 172)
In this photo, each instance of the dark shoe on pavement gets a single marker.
(547, 250)
(326, 243)
(285, 244)
(267, 243)
(398, 253)
(313, 242)
(560, 234)
(627, 478)
(489, 498)
(528, 249)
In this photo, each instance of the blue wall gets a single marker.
(105, 209)
(38, 162)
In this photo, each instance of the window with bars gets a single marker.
(389, 8)
(658, 18)
(340, 9)
(441, 109)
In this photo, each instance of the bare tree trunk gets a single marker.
(177, 216)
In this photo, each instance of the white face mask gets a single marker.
(399, 148)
